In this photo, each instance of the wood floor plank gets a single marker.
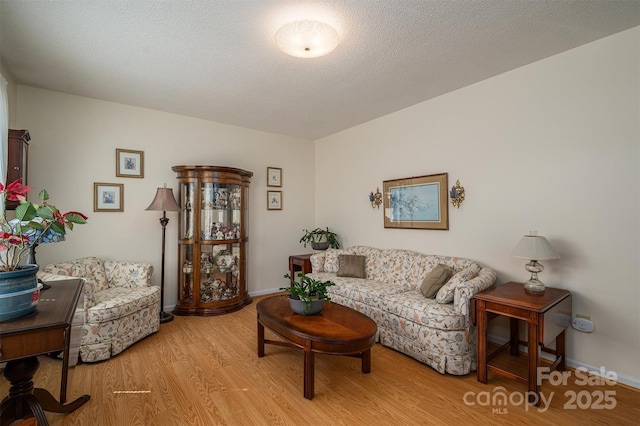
(205, 371)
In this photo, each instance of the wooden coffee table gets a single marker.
(337, 330)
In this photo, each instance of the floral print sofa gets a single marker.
(120, 305)
(437, 332)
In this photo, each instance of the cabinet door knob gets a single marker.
(16, 168)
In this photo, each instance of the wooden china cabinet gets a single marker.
(17, 159)
(212, 240)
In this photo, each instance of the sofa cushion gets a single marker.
(434, 280)
(118, 302)
(447, 291)
(90, 268)
(351, 265)
(413, 307)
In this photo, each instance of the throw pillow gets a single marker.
(434, 280)
(446, 292)
(351, 265)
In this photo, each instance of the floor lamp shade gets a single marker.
(164, 201)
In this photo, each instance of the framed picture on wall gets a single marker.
(129, 163)
(274, 200)
(108, 197)
(274, 176)
(417, 202)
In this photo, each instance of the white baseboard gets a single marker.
(627, 380)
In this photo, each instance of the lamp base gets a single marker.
(534, 286)
(165, 317)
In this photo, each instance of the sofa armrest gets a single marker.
(465, 291)
(317, 262)
(128, 274)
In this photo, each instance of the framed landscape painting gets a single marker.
(417, 202)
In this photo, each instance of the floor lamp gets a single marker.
(164, 201)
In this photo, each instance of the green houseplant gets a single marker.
(320, 239)
(309, 291)
(34, 224)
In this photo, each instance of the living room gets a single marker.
(551, 146)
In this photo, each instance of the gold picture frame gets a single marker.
(129, 163)
(274, 176)
(108, 197)
(274, 200)
(417, 202)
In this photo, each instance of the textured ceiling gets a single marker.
(217, 59)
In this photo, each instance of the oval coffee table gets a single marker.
(337, 330)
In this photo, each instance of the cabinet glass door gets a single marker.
(187, 273)
(187, 203)
(219, 272)
(220, 212)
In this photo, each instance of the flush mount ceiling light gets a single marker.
(307, 38)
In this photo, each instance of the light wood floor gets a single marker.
(205, 371)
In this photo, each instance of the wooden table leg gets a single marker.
(513, 335)
(308, 370)
(481, 315)
(260, 339)
(366, 361)
(534, 353)
(560, 339)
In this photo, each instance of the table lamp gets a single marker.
(164, 201)
(534, 248)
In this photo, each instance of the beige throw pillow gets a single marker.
(434, 280)
(351, 265)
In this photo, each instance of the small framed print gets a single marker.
(274, 176)
(129, 163)
(274, 200)
(108, 197)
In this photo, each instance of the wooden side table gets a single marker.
(301, 263)
(547, 315)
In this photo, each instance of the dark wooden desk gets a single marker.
(22, 339)
(547, 315)
(299, 262)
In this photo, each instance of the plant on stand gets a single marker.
(320, 239)
(308, 290)
(34, 223)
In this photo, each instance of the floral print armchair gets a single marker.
(120, 304)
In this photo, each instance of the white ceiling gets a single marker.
(217, 59)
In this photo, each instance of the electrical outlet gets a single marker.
(582, 324)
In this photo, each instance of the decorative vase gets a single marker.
(19, 292)
(300, 306)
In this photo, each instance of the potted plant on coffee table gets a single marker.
(320, 239)
(307, 295)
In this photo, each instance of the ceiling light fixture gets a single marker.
(307, 38)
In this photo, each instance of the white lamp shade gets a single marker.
(307, 38)
(534, 247)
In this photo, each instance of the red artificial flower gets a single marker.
(16, 191)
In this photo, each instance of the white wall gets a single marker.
(73, 145)
(553, 147)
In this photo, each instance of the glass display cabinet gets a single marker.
(212, 240)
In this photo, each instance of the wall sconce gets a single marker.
(457, 194)
(375, 199)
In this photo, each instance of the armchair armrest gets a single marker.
(465, 291)
(88, 289)
(128, 274)
(317, 262)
